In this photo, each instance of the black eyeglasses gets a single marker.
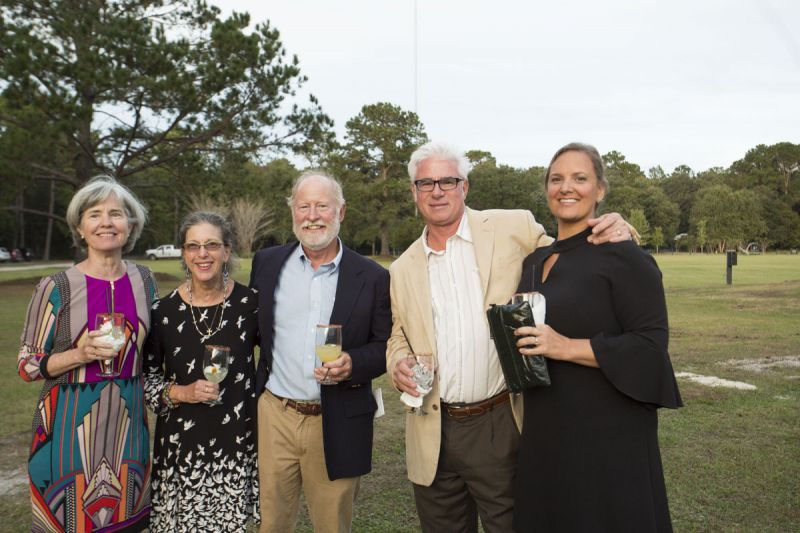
(445, 184)
(210, 246)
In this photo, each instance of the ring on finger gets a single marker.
(619, 233)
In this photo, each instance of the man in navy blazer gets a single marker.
(312, 436)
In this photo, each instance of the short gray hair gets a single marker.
(216, 220)
(96, 190)
(439, 150)
(336, 187)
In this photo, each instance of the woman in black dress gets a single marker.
(204, 463)
(589, 457)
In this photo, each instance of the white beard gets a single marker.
(320, 240)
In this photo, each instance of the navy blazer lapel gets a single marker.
(351, 281)
(273, 269)
(268, 281)
(265, 279)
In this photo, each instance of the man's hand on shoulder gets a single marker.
(611, 227)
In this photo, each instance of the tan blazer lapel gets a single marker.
(483, 239)
(419, 289)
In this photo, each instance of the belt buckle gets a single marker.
(306, 408)
(458, 411)
(478, 408)
(452, 410)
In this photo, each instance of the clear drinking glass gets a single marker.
(112, 325)
(537, 302)
(328, 345)
(524, 297)
(215, 366)
(423, 376)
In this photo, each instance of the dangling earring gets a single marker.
(225, 278)
(187, 274)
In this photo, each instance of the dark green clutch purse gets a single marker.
(521, 371)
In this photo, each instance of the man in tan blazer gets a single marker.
(462, 454)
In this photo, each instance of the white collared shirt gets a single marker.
(304, 297)
(468, 367)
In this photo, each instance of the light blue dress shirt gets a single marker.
(303, 298)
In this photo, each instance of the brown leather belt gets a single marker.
(464, 410)
(304, 408)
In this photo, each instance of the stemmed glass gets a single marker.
(215, 366)
(536, 300)
(112, 325)
(328, 345)
(423, 370)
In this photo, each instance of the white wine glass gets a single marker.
(215, 366)
(328, 345)
(112, 325)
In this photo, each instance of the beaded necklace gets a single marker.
(210, 331)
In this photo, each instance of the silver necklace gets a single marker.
(210, 331)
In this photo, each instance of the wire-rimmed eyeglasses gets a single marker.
(210, 246)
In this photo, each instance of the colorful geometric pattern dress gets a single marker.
(89, 464)
(205, 475)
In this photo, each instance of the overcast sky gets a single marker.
(695, 82)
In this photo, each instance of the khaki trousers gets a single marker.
(291, 458)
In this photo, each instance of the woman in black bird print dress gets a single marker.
(204, 473)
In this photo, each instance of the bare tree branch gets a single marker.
(35, 212)
(55, 174)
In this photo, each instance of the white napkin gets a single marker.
(538, 306)
(378, 394)
(415, 401)
(116, 344)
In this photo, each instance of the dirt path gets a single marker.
(13, 464)
(34, 266)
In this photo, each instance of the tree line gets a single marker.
(193, 110)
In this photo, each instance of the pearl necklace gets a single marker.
(209, 331)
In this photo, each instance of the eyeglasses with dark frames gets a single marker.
(445, 184)
(210, 246)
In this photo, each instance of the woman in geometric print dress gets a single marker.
(204, 474)
(89, 463)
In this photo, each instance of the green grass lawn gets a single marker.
(731, 457)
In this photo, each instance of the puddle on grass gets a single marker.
(14, 463)
(713, 381)
(764, 363)
(13, 481)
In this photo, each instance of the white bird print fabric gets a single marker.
(204, 465)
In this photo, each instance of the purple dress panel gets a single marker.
(99, 301)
